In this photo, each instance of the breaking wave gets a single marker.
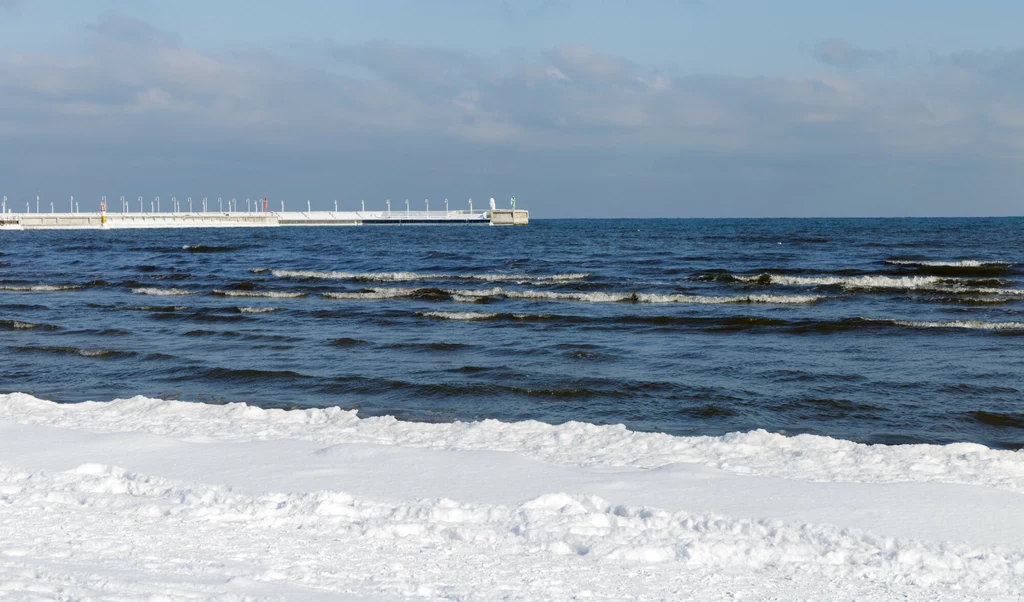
(892, 282)
(971, 324)
(414, 276)
(98, 353)
(474, 295)
(207, 249)
(967, 263)
(458, 315)
(168, 292)
(256, 310)
(957, 286)
(269, 294)
(40, 288)
(18, 325)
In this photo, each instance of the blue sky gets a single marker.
(670, 108)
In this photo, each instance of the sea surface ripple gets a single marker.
(879, 331)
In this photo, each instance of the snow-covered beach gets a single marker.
(143, 498)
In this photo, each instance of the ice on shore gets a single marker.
(142, 497)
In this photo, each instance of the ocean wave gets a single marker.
(476, 295)
(936, 284)
(967, 263)
(168, 292)
(18, 325)
(458, 315)
(40, 288)
(152, 308)
(801, 457)
(97, 353)
(374, 294)
(414, 276)
(256, 310)
(733, 323)
(969, 324)
(889, 282)
(268, 294)
(207, 249)
(348, 342)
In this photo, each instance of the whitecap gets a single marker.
(270, 294)
(458, 315)
(39, 288)
(170, 292)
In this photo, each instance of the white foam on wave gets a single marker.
(967, 263)
(169, 292)
(269, 294)
(414, 276)
(474, 295)
(256, 310)
(459, 315)
(39, 288)
(18, 325)
(969, 324)
(894, 282)
(374, 294)
(802, 457)
(526, 279)
(661, 298)
(365, 276)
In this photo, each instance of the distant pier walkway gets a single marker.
(246, 219)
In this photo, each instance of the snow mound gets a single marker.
(802, 457)
(313, 533)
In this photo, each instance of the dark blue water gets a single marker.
(872, 330)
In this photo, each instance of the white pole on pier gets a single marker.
(282, 205)
(427, 201)
(335, 204)
(5, 205)
(37, 203)
(190, 204)
(407, 212)
(51, 206)
(446, 206)
(124, 205)
(471, 205)
(309, 207)
(248, 205)
(221, 201)
(140, 204)
(158, 204)
(174, 204)
(72, 209)
(234, 205)
(76, 206)
(204, 204)
(362, 204)
(389, 207)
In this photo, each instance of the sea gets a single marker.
(892, 331)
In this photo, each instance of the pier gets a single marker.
(262, 219)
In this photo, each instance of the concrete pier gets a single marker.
(115, 221)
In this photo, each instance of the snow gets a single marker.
(141, 497)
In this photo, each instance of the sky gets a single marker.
(652, 108)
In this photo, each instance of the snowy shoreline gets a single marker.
(140, 497)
